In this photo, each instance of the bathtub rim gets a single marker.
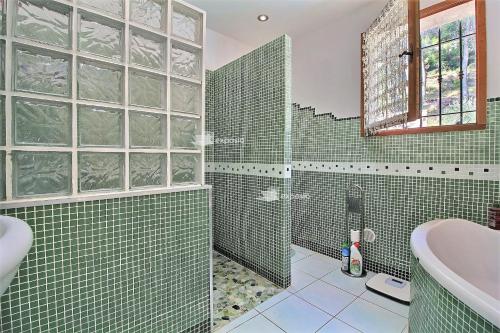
(484, 304)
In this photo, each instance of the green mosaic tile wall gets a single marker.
(249, 101)
(435, 309)
(395, 205)
(136, 264)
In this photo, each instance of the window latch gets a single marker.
(406, 53)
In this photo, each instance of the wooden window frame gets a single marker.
(414, 17)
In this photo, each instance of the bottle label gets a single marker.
(345, 263)
(355, 266)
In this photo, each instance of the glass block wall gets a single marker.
(100, 96)
(408, 180)
(248, 165)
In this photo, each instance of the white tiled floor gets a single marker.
(322, 299)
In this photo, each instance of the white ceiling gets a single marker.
(238, 18)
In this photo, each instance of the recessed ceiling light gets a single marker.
(262, 18)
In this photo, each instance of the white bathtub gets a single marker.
(464, 257)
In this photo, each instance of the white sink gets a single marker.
(16, 239)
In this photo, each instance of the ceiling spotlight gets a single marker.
(262, 18)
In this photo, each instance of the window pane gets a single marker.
(186, 23)
(111, 6)
(41, 123)
(2, 64)
(450, 31)
(37, 173)
(185, 169)
(186, 62)
(41, 71)
(100, 127)
(186, 97)
(43, 22)
(430, 96)
(147, 170)
(146, 89)
(430, 121)
(100, 171)
(450, 94)
(469, 25)
(469, 118)
(152, 13)
(430, 37)
(184, 133)
(100, 82)
(147, 50)
(451, 119)
(147, 130)
(98, 36)
(469, 71)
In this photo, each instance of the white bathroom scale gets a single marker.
(390, 287)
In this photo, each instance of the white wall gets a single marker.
(222, 49)
(326, 64)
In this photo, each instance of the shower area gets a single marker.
(248, 163)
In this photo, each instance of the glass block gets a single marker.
(100, 171)
(2, 175)
(186, 61)
(187, 23)
(3, 12)
(2, 120)
(185, 168)
(100, 127)
(100, 36)
(43, 21)
(146, 89)
(147, 130)
(185, 97)
(184, 133)
(147, 49)
(114, 7)
(42, 72)
(147, 170)
(41, 123)
(152, 13)
(41, 173)
(100, 82)
(2, 64)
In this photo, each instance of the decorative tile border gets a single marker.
(251, 169)
(434, 170)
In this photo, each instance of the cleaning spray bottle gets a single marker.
(355, 261)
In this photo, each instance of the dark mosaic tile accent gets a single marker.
(237, 290)
(435, 309)
(250, 100)
(137, 264)
(395, 205)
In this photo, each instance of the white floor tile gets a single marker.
(300, 280)
(315, 266)
(336, 326)
(272, 301)
(326, 297)
(386, 303)
(238, 321)
(353, 285)
(302, 250)
(370, 318)
(298, 256)
(258, 324)
(295, 315)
